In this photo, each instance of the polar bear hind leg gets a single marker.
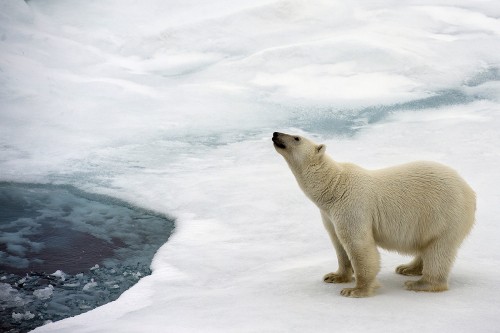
(437, 260)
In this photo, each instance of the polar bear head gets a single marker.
(298, 151)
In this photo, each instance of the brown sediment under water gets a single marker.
(64, 251)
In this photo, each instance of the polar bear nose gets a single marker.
(275, 134)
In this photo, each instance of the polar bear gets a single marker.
(423, 209)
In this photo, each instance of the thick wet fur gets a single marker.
(424, 209)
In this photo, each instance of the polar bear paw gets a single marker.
(337, 278)
(356, 292)
(422, 285)
(409, 270)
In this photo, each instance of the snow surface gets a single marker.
(170, 105)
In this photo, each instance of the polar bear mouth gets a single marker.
(278, 143)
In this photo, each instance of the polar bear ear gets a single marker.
(320, 149)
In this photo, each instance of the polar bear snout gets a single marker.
(278, 142)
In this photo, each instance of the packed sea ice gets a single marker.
(170, 106)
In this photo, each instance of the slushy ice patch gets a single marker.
(348, 122)
(64, 251)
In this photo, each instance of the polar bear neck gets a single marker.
(321, 181)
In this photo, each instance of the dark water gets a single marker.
(64, 251)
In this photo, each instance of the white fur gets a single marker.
(422, 208)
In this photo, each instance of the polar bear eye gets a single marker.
(297, 138)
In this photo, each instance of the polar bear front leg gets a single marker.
(365, 259)
(344, 272)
